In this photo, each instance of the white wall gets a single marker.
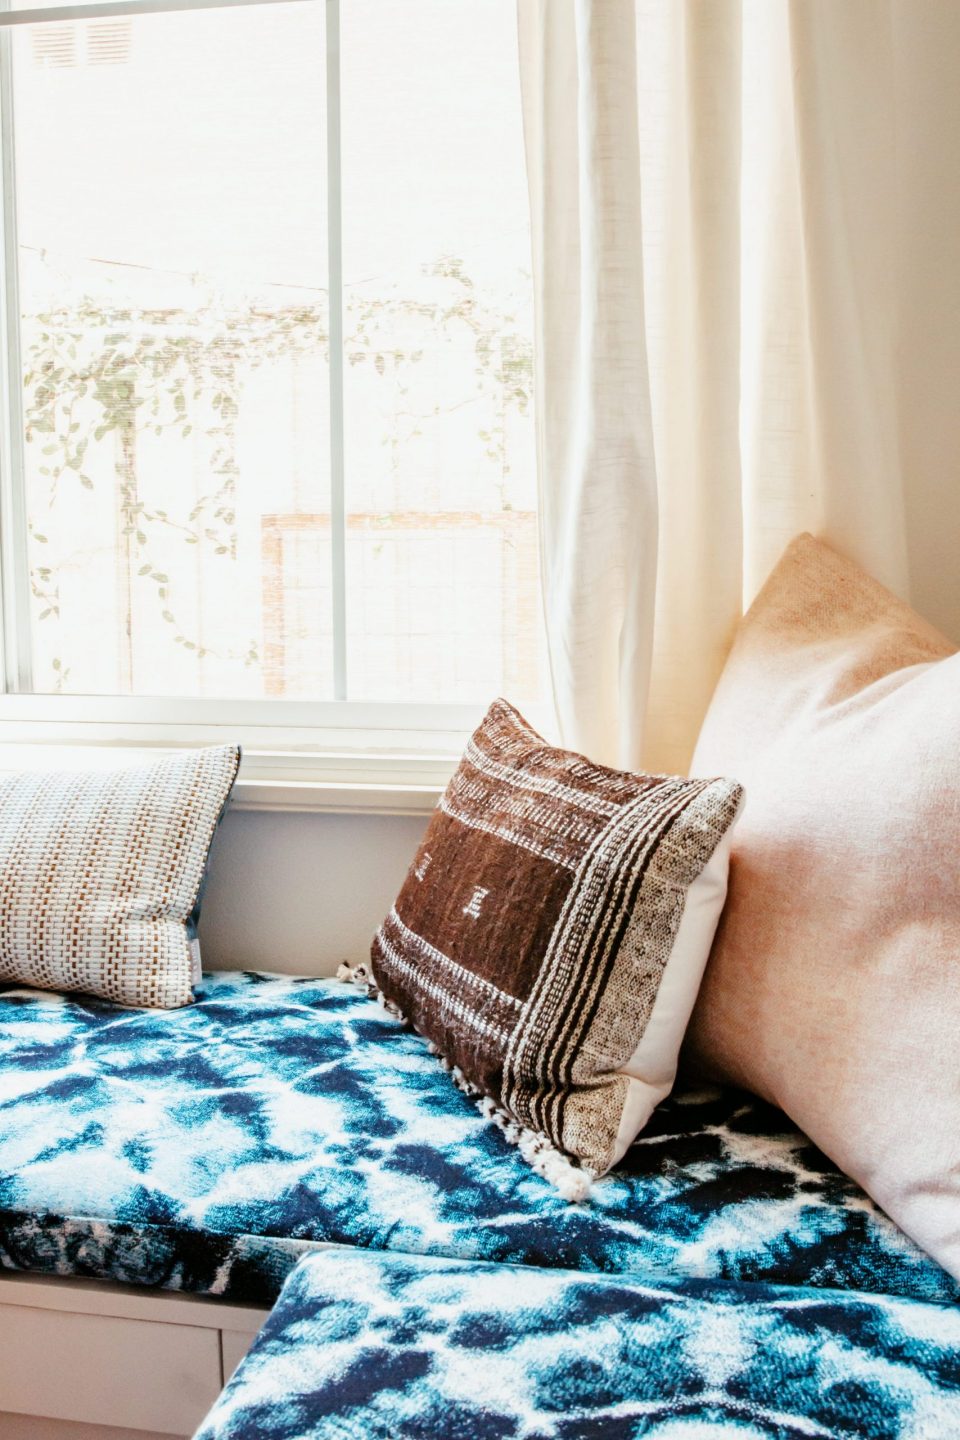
(928, 122)
(299, 892)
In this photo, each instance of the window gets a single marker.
(268, 361)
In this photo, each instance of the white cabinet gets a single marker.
(106, 1371)
(234, 1345)
(110, 1356)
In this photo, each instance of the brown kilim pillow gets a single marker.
(550, 938)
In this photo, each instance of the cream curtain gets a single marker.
(598, 476)
(728, 268)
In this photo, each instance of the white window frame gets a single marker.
(330, 755)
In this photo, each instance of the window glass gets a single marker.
(172, 237)
(442, 582)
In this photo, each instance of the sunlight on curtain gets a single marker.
(772, 194)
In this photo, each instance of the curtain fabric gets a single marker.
(725, 267)
(598, 511)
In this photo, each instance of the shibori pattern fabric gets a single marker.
(387, 1347)
(549, 903)
(207, 1149)
(100, 875)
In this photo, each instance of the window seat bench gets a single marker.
(207, 1151)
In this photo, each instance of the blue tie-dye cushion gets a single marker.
(391, 1347)
(208, 1148)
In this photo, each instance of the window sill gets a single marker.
(275, 781)
(297, 756)
(324, 797)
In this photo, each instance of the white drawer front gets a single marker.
(107, 1371)
(236, 1343)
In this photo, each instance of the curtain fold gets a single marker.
(598, 503)
(719, 196)
(689, 75)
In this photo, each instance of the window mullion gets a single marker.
(338, 537)
(14, 560)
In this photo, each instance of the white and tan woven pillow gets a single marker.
(101, 871)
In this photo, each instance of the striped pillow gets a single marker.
(101, 871)
(551, 936)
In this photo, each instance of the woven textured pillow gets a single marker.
(100, 875)
(550, 938)
(833, 989)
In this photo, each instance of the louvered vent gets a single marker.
(55, 45)
(108, 42)
(100, 42)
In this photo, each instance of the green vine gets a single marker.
(164, 370)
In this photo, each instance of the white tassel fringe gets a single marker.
(361, 975)
(573, 1182)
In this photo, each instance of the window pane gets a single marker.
(172, 226)
(171, 195)
(442, 586)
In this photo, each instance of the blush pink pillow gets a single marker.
(833, 988)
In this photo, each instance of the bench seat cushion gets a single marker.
(393, 1347)
(206, 1149)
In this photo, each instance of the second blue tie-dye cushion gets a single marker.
(392, 1347)
(207, 1149)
